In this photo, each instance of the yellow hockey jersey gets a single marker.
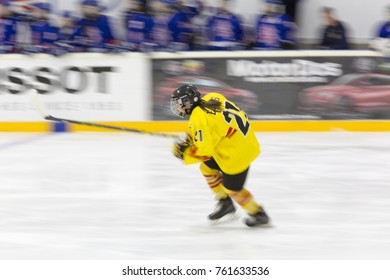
(225, 135)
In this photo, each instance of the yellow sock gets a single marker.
(245, 199)
(214, 180)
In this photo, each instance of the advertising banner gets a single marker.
(332, 86)
(90, 87)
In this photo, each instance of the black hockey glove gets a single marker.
(179, 148)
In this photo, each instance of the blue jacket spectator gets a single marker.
(384, 28)
(8, 27)
(43, 34)
(172, 30)
(224, 29)
(384, 31)
(274, 30)
(180, 28)
(93, 30)
(139, 26)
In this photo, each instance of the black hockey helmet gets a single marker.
(184, 99)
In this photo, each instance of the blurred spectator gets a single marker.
(274, 30)
(334, 34)
(138, 25)
(199, 21)
(172, 31)
(193, 10)
(224, 29)
(93, 32)
(381, 40)
(180, 27)
(68, 26)
(8, 28)
(384, 28)
(162, 36)
(43, 34)
(67, 31)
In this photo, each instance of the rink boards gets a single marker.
(128, 89)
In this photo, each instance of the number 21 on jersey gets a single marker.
(198, 136)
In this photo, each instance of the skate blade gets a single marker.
(267, 225)
(232, 217)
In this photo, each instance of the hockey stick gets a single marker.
(41, 109)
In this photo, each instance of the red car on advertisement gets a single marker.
(246, 100)
(351, 93)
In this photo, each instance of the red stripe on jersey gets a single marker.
(231, 132)
(192, 151)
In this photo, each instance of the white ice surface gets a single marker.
(124, 196)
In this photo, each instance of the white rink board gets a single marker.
(91, 87)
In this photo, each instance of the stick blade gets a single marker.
(33, 93)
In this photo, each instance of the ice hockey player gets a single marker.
(138, 25)
(220, 137)
(94, 31)
(8, 25)
(225, 30)
(274, 30)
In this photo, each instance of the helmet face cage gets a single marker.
(183, 100)
(178, 107)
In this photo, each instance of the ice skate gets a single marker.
(224, 207)
(258, 219)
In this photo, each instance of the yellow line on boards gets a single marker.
(180, 126)
(25, 126)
